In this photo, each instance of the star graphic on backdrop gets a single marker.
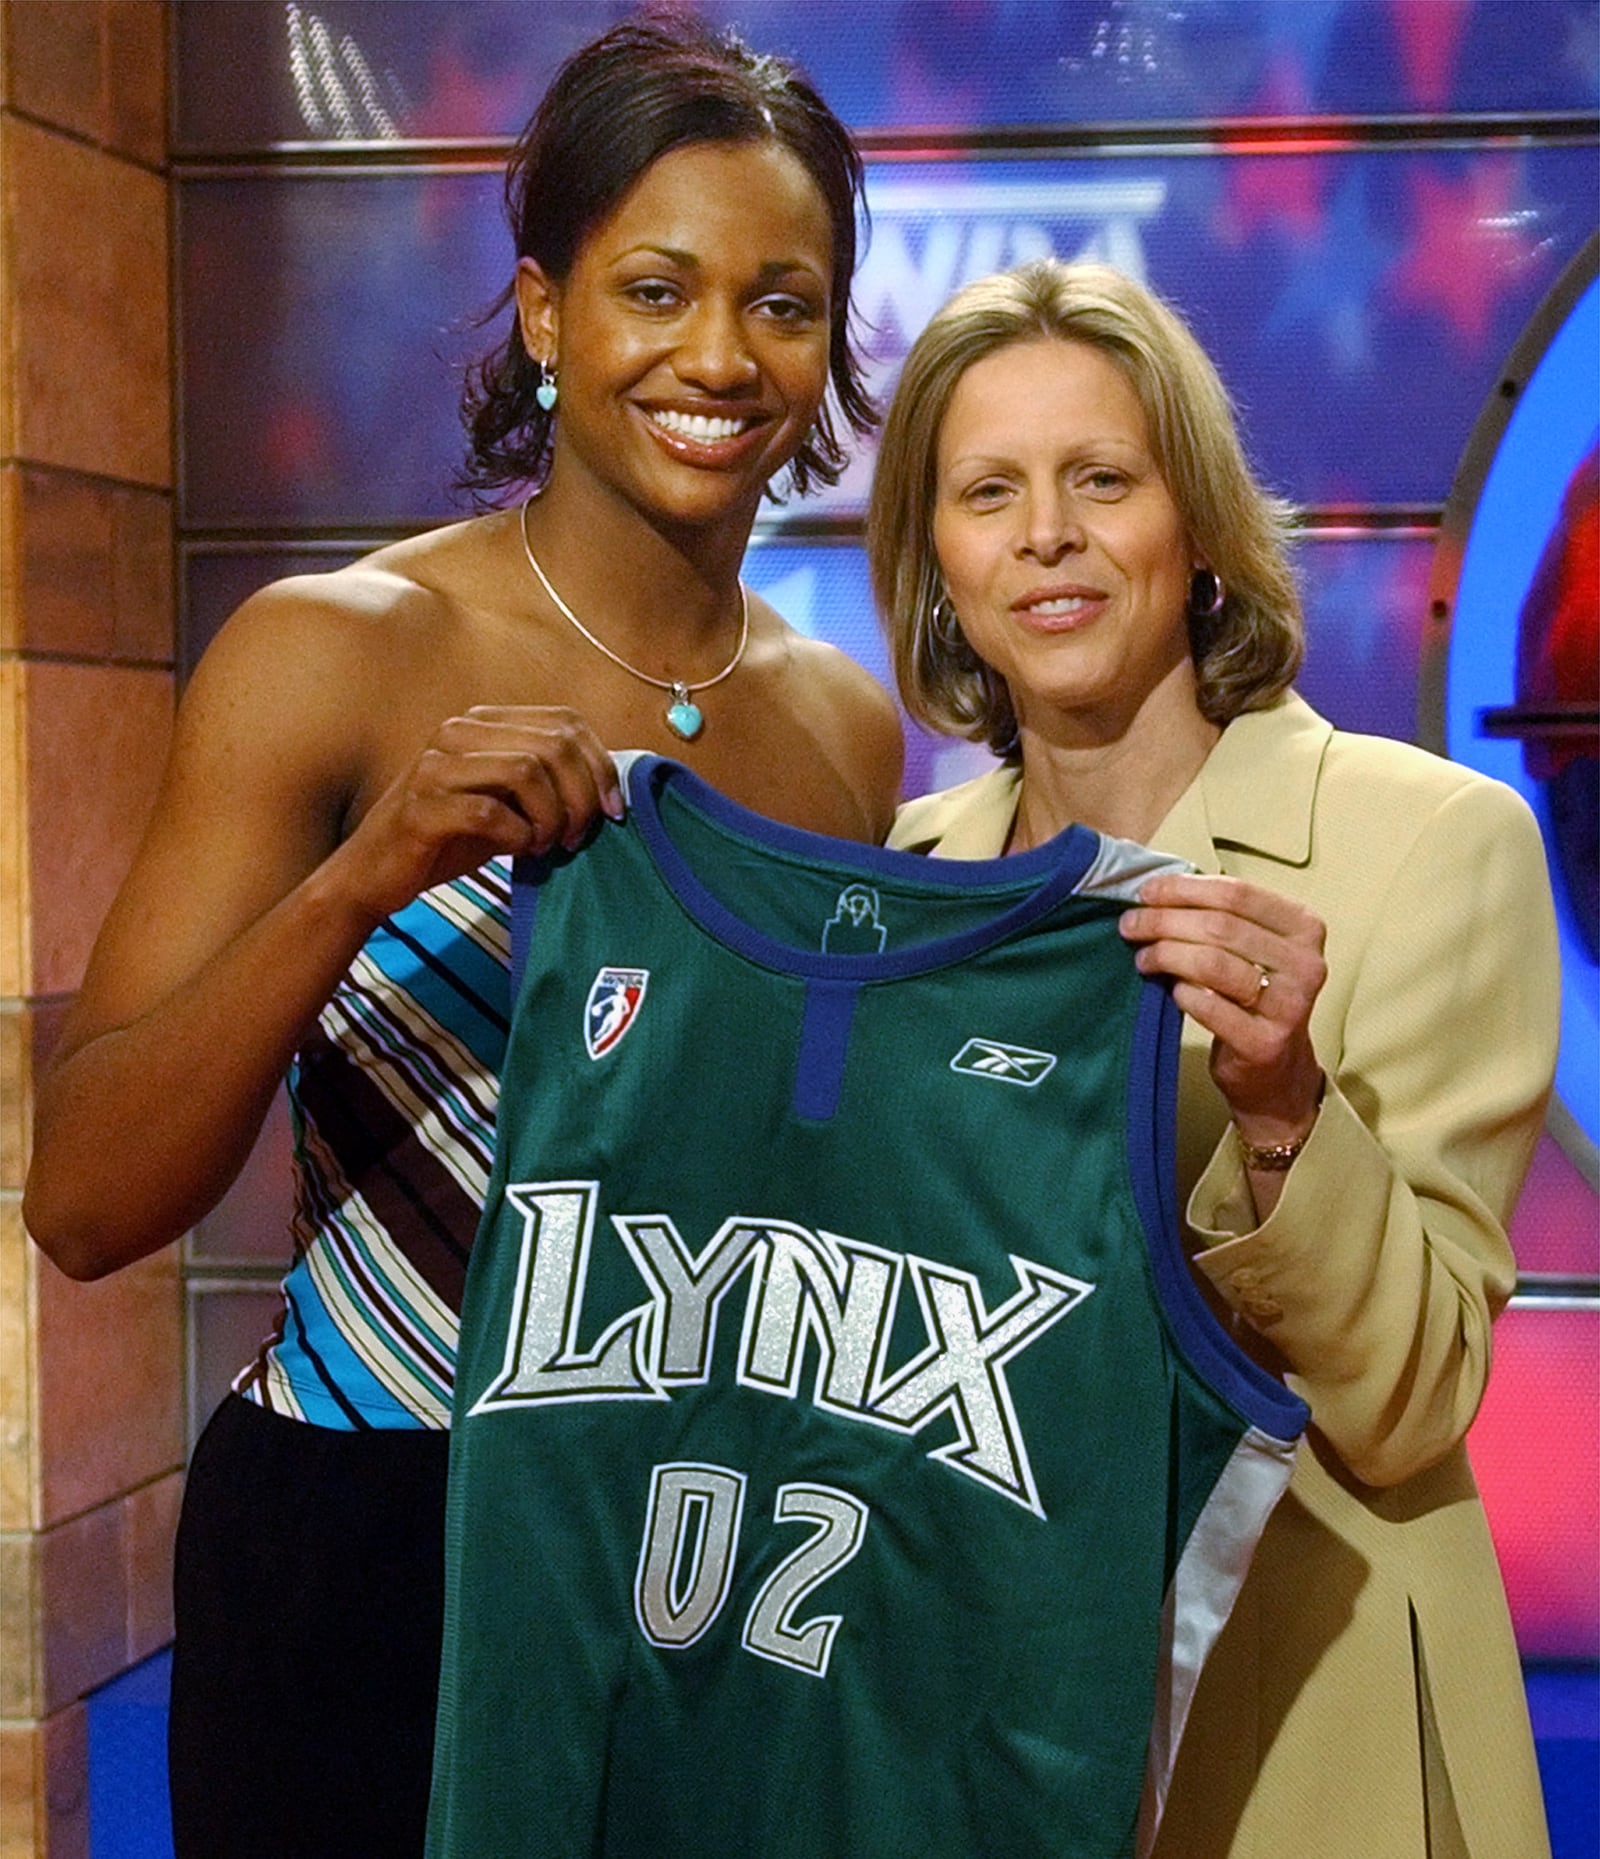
(297, 441)
(1332, 276)
(1470, 246)
(1427, 42)
(1276, 190)
(1367, 604)
(461, 101)
(1314, 33)
(1581, 52)
(1347, 583)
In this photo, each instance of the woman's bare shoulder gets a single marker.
(387, 614)
(857, 713)
(816, 665)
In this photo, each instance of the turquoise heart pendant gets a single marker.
(683, 714)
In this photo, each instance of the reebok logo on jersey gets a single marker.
(615, 997)
(993, 1058)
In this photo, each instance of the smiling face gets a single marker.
(1061, 548)
(691, 333)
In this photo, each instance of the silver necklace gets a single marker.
(684, 716)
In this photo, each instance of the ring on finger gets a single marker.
(1263, 982)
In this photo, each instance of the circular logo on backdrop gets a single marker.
(1511, 675)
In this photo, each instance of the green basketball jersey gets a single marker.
(845, 1465)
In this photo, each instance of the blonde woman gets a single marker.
(1076, 566)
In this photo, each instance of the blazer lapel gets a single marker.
(972, 821)
(1235, 803)
(1186, 831)
(1255, 794)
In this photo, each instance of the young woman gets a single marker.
(322, 889)
(1076, 566)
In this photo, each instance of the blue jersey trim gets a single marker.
(1054, 870)
(824, 1045)
(1210, 1351)
(525, 873)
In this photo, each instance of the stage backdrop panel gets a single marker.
(253, 74)
(1358, 302)
(1359, 203)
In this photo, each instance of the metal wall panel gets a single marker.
(256, 72)
(1358, 303)
(1359, 203)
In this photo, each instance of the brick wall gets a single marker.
(91, 1437)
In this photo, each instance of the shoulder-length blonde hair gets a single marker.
(1244, 655)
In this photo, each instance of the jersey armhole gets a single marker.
(524, 907)
(1255, 1395)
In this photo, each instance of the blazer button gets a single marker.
(1263, 1311)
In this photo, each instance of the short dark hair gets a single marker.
(658, 82)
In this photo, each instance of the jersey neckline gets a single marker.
(1044, 875)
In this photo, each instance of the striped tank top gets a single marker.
(392, 1101)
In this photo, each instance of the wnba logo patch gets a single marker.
(615, 997)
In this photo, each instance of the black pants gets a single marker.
(310, 1597)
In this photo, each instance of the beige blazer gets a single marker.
(1364, 1700)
